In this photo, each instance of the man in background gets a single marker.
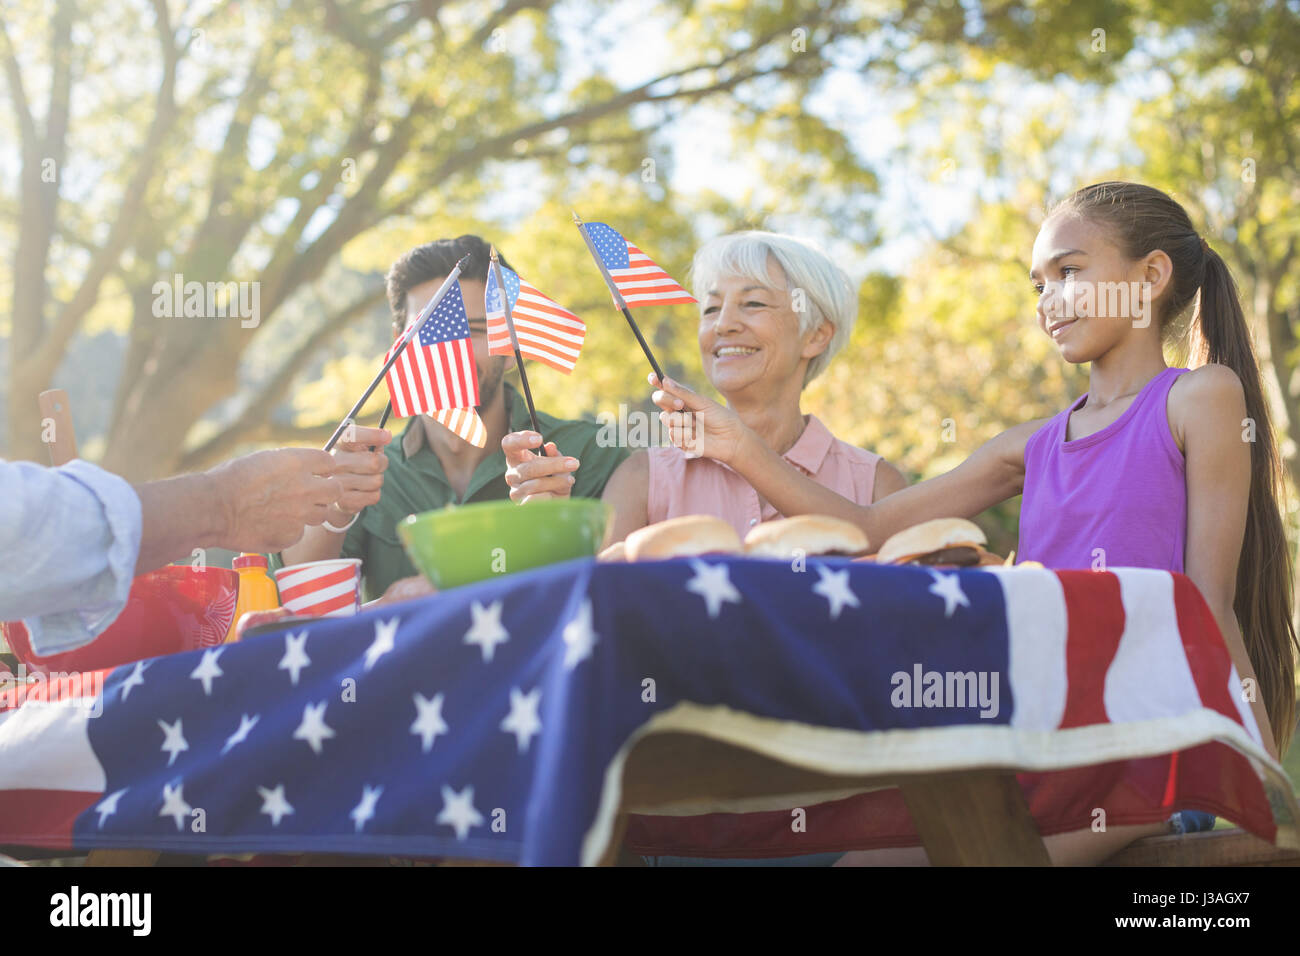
(428, 465)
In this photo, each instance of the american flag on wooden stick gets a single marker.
(546, 331)
(435, 374)
(638, 279)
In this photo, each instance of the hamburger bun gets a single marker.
(811, 534)
(682, 537)
(941, 541)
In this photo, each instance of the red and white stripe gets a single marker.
(644, 283)
(465, 423)
(547, 331)
(1113, 648)
(1103, 657)
(49, 773)
(321, 588)
(430, 377)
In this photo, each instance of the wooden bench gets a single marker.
(1234, 847)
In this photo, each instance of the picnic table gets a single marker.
(583, 711)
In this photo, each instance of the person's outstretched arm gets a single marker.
(260, 502)
(360, 472)
(701, 427)
(73, 538)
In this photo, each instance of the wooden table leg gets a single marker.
(974, 819)
(616, 852)
(122, 857)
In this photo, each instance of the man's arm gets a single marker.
(69, 538)
(72, 538)
(177, 515)
(361, 474)
(316, 544)
(259, 503)
(628, 491)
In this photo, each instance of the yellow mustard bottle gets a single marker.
(257, 591)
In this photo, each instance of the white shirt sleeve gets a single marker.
(69, 539)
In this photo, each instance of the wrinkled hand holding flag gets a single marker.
(546, 331)
(436, 373)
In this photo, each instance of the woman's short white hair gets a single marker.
(828, 295)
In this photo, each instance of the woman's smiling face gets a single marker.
(750, 334)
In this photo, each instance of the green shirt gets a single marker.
(415, 482)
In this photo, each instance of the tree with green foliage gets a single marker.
(253, 142)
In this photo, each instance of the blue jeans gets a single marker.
(1192, 821)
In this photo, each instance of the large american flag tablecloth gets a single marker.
(493, 721)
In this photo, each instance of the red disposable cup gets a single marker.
(321, 588)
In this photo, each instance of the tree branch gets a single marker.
(69, 319)
(502, 14)
(35, 229)
(219, 236)
(13, 71)
(260, 404)
(282, 434)
(489, 148)
(290, 268)
(56, 117)
(359, 140)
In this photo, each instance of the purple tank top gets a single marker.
(1115, 498)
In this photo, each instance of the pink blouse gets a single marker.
(682, 486)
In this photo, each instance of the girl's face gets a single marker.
(1090, 296)
(749, 333)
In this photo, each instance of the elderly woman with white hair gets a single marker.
(774, 310)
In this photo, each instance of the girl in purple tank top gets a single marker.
(1154, 467)
(1116, 497)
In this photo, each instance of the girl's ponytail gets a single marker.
(1265, 583)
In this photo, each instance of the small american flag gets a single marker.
(546, 331)
(635, 274)
(436, 373)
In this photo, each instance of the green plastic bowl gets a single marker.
(462, 544)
